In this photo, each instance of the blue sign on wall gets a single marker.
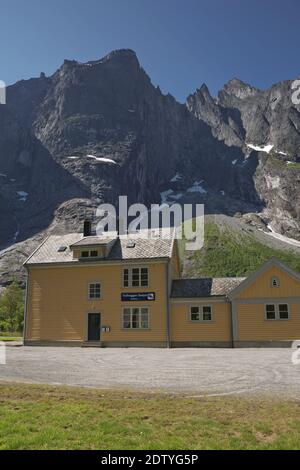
(137, 296)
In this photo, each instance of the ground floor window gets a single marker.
(136, 317)
(277, 312)
(283, 310)
(270, 312)
(201, 313)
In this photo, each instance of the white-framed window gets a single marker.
(136, 277)
(271, 312)
(277, 312)
(94, 290)
(89, 254)
(135, 318)
(283, 311)
(275, 282)
(201, 313)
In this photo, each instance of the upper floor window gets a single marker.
(201, 313)
(136, 318)
(89, 254)
(277, 312)
(94, 290)
(274, 282)
(136, 277)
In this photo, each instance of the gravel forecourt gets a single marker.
(196, 372)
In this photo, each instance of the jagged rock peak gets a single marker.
(121, 53)
(201, 95)
(118, 54)
(239, 89)
(204, 89)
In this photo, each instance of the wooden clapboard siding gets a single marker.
(58, 303)
(182, 329)
(261, 287)
(252, 325)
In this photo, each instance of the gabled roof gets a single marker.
(204, 287)
(263, 268)
(94, 241)
(142, 249)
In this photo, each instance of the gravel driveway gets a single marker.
(195, 371)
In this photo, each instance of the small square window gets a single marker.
(274, 282)
(94, 253)
(270, 312)
(84, 254)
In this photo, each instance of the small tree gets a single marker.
(12, 308)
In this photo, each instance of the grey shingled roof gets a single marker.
(143, 249)
(93, 241)
(204, 287)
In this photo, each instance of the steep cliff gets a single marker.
(93, 131)
(265, 123)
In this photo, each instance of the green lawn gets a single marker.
(44, 417)
(11, 336)
(226, 253)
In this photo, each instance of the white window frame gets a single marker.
(277, 313)
(130, 283)
(89, 290)
(201, 313)
(139, 308)
(89, 254)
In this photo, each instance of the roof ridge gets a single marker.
(37, 248)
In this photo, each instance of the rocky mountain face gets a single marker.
(266, 123)
(97, 130)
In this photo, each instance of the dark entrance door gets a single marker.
(94, 324)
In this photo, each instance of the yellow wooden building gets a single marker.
(113, 291)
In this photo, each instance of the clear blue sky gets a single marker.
(180, 43)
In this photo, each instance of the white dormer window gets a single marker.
(274, 282)
(89, 254)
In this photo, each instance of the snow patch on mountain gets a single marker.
(261, 148)
(176, 178)
(164, 195)
(102, 159)
(197, 188)
(22, 195)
